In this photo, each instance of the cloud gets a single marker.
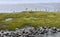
(28, 1)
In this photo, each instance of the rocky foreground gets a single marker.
(29, 32)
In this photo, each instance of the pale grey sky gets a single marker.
(28, 1)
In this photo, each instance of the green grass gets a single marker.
(29, 18)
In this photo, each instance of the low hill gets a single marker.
(29, 18)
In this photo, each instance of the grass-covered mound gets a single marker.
(30, 18)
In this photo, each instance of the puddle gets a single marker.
(8, 19)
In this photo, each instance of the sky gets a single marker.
(28, 1)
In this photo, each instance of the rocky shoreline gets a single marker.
(29, 32)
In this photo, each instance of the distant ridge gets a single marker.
(31, 6)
